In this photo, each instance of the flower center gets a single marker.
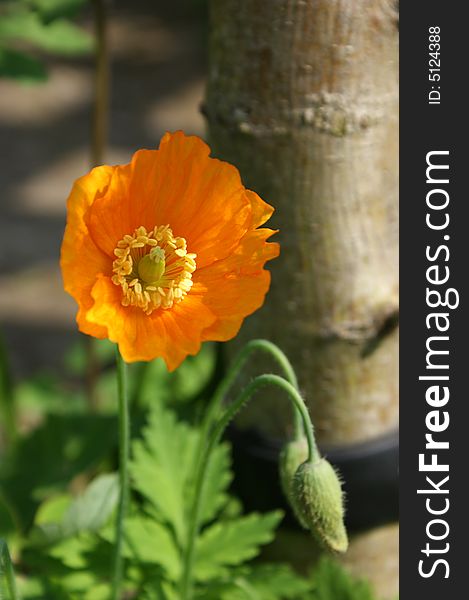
(153, 268)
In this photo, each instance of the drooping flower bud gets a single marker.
(318, 503)
(294, 454)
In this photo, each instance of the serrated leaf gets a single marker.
(259, 582)
(163, 469)
(159, 590)
(217, 481)
(332, 582)
(233, 542)
(161, 465)
(236, 588)
(147, 541)
(277, 582)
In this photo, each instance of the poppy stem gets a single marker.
(215, 436)
(216, 402)
(235, 369)
(6, 570)
(124, 439)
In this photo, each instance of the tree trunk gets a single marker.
(302, 97)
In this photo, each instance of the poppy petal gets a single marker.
(201, 198)
(208, 246)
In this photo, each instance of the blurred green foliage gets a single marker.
(332, 582)
(59, 492)
(31, 27)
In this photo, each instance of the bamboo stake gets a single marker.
(99, 134)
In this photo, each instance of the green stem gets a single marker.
(6, 569)
(245, 353)
(194, 519)
(141, 372)
(124, 435)
(219, 396)
(7, 406)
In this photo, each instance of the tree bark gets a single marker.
(302, 96)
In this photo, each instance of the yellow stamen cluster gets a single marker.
(153, 268)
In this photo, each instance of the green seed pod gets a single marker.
(318, 502)
(152, 266)
(294, 454)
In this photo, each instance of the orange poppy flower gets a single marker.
(165, 252)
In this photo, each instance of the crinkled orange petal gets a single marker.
(81, 260)
(201, 198)
(172, 334)
(236, 286)
(261, 211)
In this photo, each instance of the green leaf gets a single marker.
(62, 518)
(147, 541)
(53, 509)
(236, 588)
(161, 466)
(60, 449)
(193, 375)
(72, 538)
(233, 542)
(43, 394)
(31, 588)
(275, 582)
(77, 584)
(217, 481)
(51, 9)
(76, 358)
(163, 469)
(21, 66)
(159, 590)
(72, 551)
(182, 385)
(332, 582)
(7, 519)
(259, 582)
(90, 511)
(7, 573)
(59, 36)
